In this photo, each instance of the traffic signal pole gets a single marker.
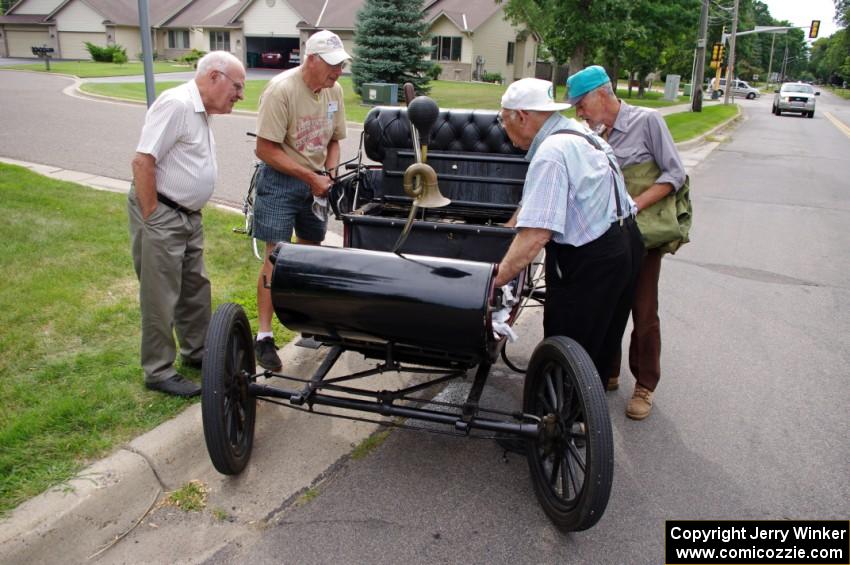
(730, 69)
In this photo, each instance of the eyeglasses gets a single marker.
(500, 118)
(238, 85)
(338, 66)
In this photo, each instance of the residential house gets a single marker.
(469, 37)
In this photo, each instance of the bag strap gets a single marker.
(596, 145)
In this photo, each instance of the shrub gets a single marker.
(434, 71)
(98, 53)
(141, 56)
(107, 54)
(493, 77)
(191, 58)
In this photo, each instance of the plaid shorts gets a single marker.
(284, 203)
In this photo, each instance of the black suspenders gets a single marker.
(595, 144)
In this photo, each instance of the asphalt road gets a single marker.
(751, 417)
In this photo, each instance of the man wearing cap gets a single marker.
(575, 205)
(652, 169)
(300, 122)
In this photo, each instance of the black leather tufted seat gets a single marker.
(456, 131)
(473, 157)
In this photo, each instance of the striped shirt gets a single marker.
(177, 134)
(569, 188)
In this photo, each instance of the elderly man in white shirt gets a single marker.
(174, 174)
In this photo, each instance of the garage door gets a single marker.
(72, 44)
(22, 42)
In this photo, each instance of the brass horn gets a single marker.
(426, 193)
(420, 179)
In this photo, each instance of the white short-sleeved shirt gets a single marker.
(177, 134)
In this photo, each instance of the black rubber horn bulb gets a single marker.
(422, 112)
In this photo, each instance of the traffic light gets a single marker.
(717, 52)
(813, 30)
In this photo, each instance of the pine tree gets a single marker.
(389, 47)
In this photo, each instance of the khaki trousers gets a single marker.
(174, 290)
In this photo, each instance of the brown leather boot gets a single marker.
(613, 383)
(640, 405)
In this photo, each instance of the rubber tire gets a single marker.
(560, 354)
(228, 411)
(811, 114)
(751, 96)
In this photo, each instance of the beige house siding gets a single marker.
(491, 42)
(37, 7)
(279, 20)
(3, 48)
(20, 42)
(77, 17)
(453, 70)
(237, 42)
(72, 44)
(129, 38)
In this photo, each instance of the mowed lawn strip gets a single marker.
(448, 94)
(70, 379)
(92, 69)
(687, 125)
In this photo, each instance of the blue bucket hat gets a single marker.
(584, 81)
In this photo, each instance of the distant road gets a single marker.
(43, 125)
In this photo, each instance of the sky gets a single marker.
(802, 12)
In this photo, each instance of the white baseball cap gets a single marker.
(531, 94)
(328, 46)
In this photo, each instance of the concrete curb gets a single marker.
(693, 143)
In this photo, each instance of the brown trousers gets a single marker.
(645, 345)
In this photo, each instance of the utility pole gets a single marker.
(147, 52)
(730, 69)
(770, 64)
(697, 79)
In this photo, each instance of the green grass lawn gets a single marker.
(91, 69)
(448, 94)
(687, 125)
(70, 379)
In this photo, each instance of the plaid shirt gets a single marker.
(569, 188)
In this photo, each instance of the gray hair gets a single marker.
(216, 61)
(607, 89)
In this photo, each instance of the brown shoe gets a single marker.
(640, 404)
(613, 383)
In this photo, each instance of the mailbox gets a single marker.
(43, 51)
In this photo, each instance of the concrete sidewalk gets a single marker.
(90, 513)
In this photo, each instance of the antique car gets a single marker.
(413, 289)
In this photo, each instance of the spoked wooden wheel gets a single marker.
(228, 410)
(572, 460)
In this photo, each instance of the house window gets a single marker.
(178, 39)
(219, 41)
(511, 49)
(445, 48)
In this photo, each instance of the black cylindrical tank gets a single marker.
(377, 297)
